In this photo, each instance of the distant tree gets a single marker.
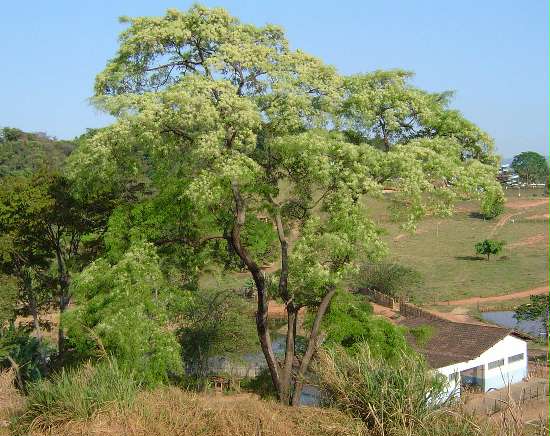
(23, 153)
(531, 167)
(536, 310)
(488, 247)
(391, 279)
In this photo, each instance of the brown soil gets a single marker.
(525, 204)
(503, 220)
(531, 240)
(543, 216)
(515, 295)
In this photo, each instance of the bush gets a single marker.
(349, 323)
(492, 203)
(391, 279)
(384, 396)
(28, 353)
(79, 394)
(123, 312)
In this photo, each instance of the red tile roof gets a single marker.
(453, 342)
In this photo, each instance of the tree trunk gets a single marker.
(259, 281)
(312, 346)
(64, 298)
(290, 352)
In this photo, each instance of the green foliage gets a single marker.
(28, 353)
(261, 385)
(386, 397)
(251, 135)
(531, 167)
(215, 323)
(489, 246)
(384, 109)
(536, 310)
(492, 203)
(392, 279)
(78, 394)
(349, 323)
(422, 334)
(123, 309)
(8, 299)
(24, 153)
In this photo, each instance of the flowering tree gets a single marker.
(227, 117)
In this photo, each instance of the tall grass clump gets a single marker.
(78, 394)
(384, 396)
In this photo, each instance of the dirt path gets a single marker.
(531, 240)
(474, 300)
(503, 220)
(525, 204)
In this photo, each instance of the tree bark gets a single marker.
(64, 298)
(311, 346)
(290, 347)
(259, 280)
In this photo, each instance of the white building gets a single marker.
(483, 356)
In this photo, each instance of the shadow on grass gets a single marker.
(472, 258)
(477, 215)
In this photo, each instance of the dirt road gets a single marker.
(474, 300)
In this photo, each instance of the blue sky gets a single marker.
(493, 53)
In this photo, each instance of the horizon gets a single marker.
(497, 63)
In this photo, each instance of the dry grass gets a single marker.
(173, 412)
(11, 402)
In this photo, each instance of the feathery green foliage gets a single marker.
(123, 310)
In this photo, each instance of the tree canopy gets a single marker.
(531, 167)
(227, 121)
(23, 153)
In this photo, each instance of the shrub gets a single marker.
(18, 347)
(349, 323)
(78, 394)
(215, 323)
(492, 203)
(389, 278)
(422, 334)
(123, 311)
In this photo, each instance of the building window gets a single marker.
(496, 364)
(515, 358)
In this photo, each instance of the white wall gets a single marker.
(498, 377)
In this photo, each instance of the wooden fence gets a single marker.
(381, 299)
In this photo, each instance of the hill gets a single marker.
(22, 153)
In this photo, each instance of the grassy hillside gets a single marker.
(442, 250)
(22, 153)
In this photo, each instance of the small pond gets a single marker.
(250, 364)
(505, 318)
